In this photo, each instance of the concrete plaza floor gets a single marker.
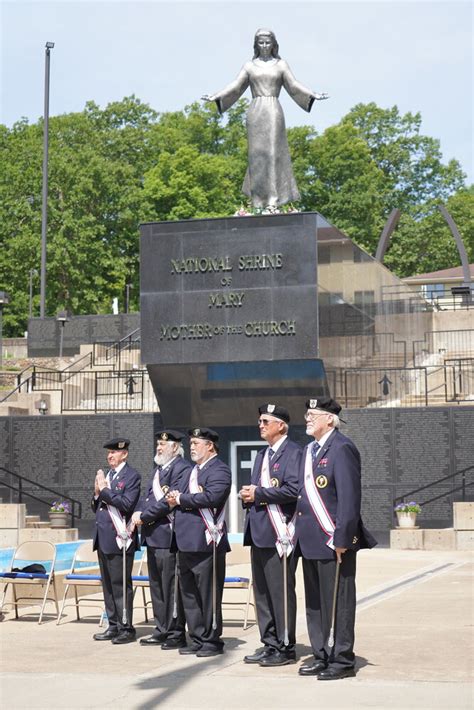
(414, 646)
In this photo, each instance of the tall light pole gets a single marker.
(4, 300)
(33, 272)
(44, 215)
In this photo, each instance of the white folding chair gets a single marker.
(31, 552)
(240, 583)
(79, 577)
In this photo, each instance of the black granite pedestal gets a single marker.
(229, 316)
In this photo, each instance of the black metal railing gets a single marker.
(460, 384)
(464, 485)
(459, 343)
(363, 350)
(114, 352)
(19, 489)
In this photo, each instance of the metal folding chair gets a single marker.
(81, 577)
(25, 554)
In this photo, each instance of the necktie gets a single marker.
(271, 454)
(314, 454)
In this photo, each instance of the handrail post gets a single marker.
(463, 486)
(426, 386)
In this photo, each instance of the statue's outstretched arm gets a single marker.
(228, 96)
(303, 96)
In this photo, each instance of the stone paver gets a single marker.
(414, 650)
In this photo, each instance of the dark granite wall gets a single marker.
(401, 449)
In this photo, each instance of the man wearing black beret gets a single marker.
(115, 497)
(329, 531)
(156, 522)
(200, 536)
(269, 529)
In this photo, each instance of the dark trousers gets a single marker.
(319, 577)
(195, 581)
(161, 570)
(111, 570)
(267, 572)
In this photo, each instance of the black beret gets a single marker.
(169, 435)
(325, 403)
(275, 411)
(203, 433)
(117, 445)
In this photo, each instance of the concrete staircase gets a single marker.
(79, 387)
(459, 537)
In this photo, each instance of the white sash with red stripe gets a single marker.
(158, 492)
(285, 533)
(320, 511)
(123, 529)
(214, 530)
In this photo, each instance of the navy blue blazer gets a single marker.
(123, 494)
(339, 472)
(189, 528)
(156, 529)
(284, 468)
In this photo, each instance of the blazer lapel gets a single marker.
(325, 448)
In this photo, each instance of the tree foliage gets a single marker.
(112, 168)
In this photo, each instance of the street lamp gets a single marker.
(42, 406)
(4, 299)
(44, 212)
(62, 318)
(127, 296)
(33, 272)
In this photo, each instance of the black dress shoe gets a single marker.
(190, 650)
(312, 668)
(208, 652)
(106, 635)
(152, 641)
(336, 673)
(259, 654)
(172, 644)
(278, 658)
(125, 637)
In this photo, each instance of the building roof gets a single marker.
(455, 273)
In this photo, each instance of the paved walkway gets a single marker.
(414, 650)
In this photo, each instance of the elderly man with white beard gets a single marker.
(156, 521)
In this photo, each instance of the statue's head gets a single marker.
(269, 35)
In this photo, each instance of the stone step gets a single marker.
(31, 519)
(38, 524)
(431, 539)
(53, 535)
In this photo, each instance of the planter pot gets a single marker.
(59, 520)
(406, 520)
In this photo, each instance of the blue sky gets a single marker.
(415, 54)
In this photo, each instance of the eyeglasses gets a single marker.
(265, 422)
(310, 416)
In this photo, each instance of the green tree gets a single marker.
(112, 168)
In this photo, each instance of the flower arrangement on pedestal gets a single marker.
(406, 514)
(58, 514)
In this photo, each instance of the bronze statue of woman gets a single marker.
(269, 181)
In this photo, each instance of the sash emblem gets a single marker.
(275, 482)
(321, 481)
